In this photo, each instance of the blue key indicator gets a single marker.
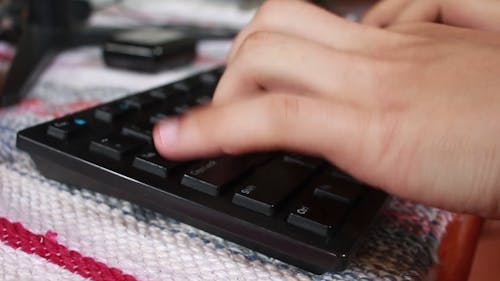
(80, 121)
(124, 106)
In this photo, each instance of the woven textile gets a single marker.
(49, 231)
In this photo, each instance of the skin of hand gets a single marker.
(413, 109)
(476, 14)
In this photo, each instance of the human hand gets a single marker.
(476, 14)
(413, 109)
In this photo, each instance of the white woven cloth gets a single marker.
(134, 243)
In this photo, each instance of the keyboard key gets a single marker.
(142, 130)
(336, 172)
(306, 161)
(209, 79)
(141, 101)
(318, 215)
(337, 189)
(212, 176)
(187, 85)
(204, 99)
(219, 71)
(183, 86)
(64, 129)
(158, 116)
(110, 112)
(162, 93)
(268, 187)
(209, 82)
(181, 109)
(114, 147)
(153, 163)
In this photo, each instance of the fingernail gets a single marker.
(168, 131)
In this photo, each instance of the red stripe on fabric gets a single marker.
(45, 246)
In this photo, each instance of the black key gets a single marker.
(219, 71)
(182, 86)
(306, 161)
(110, 112)
(318, 215)
(209, 79)
(204, 99)
(153, 163)
(266, 189)
(212, 176)
(114, 147)
(163, 93)
(336, 172)
(337, 189)
(157, 117)
(181, 109)
(142, 130)
(208, 82)
(64, 129)
(187, 85)
(167, 112)
(141, 101)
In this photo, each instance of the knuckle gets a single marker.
(256, 39)
(264, 19)
(254, 43)
(268, 9)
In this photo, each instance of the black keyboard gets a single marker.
(296, 208)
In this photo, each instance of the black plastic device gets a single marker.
(149, 49)
(293, 207)
(47, 27)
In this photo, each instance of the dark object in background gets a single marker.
(48, 27)
(149, 49)
(51, 26)
(11, 19)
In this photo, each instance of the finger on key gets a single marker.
(278, 62)
(260, 123)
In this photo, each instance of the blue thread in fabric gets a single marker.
(219, 246)
(6, 129)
